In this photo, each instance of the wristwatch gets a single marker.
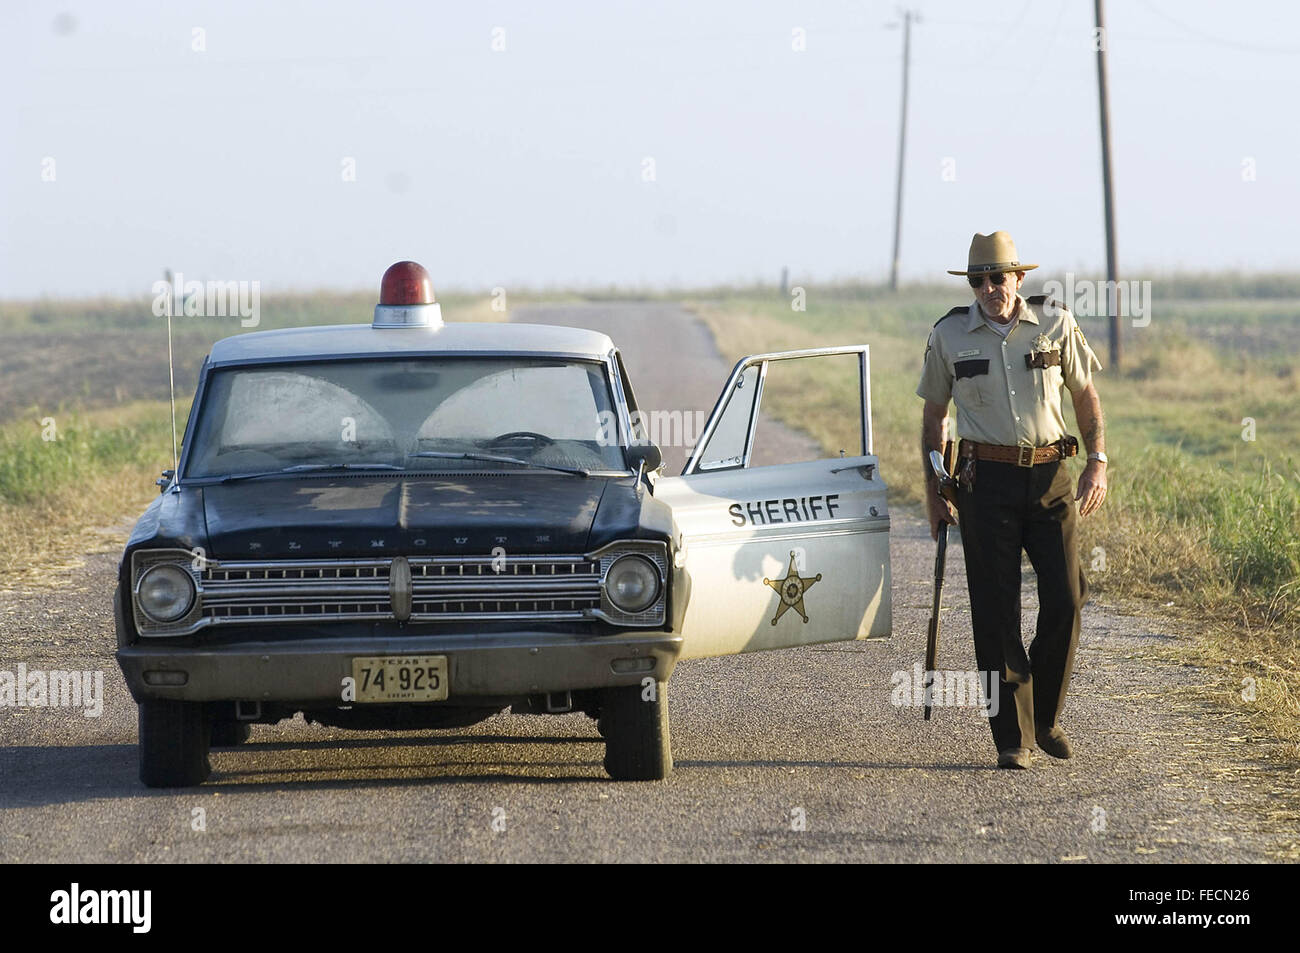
(1098, 455)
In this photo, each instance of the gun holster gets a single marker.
(965, 467)
(949, 490)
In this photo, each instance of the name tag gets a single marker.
(971, 353)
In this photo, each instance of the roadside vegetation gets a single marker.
(67, 478)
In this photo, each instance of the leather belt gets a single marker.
(1067, 446)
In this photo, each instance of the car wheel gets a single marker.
(634, 721)
(174, 738)
(228, 734)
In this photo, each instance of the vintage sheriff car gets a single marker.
(415, 525)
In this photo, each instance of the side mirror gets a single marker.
(648, 453)
(166, 480)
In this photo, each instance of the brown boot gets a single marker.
(1016, 758)
(1054, 742)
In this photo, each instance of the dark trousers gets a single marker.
(1011, 508)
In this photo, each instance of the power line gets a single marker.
(1219, 40)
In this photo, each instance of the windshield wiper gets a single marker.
(494, 458)
(309, 468)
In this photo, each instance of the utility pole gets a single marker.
(908, 17)
(1107, 189)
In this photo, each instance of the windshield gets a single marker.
(414, 414)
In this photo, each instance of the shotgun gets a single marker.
(946, 487)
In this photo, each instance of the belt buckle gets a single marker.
(1025, 457)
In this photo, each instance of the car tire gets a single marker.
(229, 734)
(174, 739)
(638, 746)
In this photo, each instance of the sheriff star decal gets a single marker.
(791, 590)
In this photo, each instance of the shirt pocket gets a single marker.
(970, 385)
(1048, 380)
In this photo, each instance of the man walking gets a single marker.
(1003, 360)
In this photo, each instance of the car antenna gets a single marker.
(171, 373)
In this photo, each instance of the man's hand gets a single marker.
(1092, 487)
(940, 511)
(934, 422)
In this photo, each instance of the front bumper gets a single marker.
(311, 671)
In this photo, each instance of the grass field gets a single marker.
(64, 355)
(65, 477)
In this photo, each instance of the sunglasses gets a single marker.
(977, 281)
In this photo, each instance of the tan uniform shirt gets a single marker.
(1001, 397)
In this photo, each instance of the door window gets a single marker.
(765, 416)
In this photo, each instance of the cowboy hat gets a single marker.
(991, 254)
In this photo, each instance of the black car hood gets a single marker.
(312, 518)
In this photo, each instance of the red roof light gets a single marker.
(406, 283)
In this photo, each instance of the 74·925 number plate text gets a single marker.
(400, 678)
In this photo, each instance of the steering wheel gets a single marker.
(541, 438)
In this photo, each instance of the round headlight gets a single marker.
(632, 583)
(165, 592)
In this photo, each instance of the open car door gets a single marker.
(789, 553)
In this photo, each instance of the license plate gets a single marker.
(400, 678)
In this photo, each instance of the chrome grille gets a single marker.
(309, 590)
(442, 588)
(549, 587)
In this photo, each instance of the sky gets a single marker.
(586, 144)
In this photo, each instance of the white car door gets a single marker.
(786, 554)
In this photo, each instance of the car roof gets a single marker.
(362, 340)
